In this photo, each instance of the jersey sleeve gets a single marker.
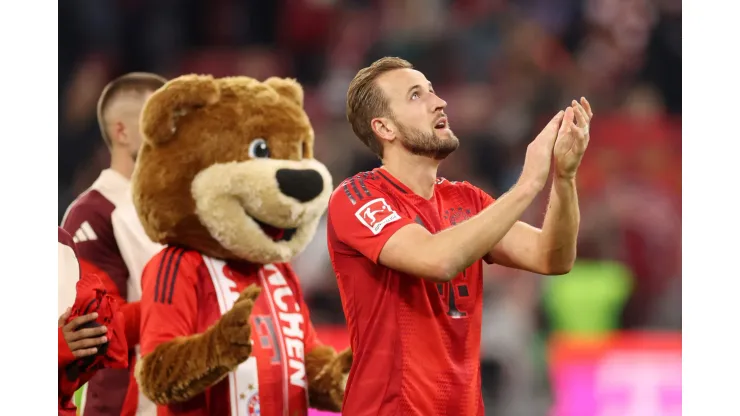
(68, 271)
(364, 224)
(65, 239)
(89, 222)
(481, 200)
(134, 245)
(480, 196)
(169, 304)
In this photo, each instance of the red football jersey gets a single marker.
(89, 296)
(179, 298)
(113, 245)
(69, 274)
(416, 344)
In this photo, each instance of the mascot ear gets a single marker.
(288, 88)
(173, 100)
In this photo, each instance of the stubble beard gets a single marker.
(427, 144)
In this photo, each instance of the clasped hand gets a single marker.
(83, 342)
(572, 139)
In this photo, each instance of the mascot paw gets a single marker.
(251, 293)
(233, 331)
(344, 360)
(180, 369)
(327, 372)
(344, 381)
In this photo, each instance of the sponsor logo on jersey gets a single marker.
(376, 214)
(84, 233)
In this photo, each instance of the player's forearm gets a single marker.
(460, 246)
(557, 242)
(164, 379)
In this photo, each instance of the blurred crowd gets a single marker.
(504, 67)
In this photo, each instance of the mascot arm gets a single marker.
(326, 372)
(178, 364)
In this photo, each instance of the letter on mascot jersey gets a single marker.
(185, 293)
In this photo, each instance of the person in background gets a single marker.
(74, 342)
(109, 237)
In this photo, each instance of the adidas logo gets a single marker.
(84, 233)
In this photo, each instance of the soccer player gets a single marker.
(109, 237)
(73, 342)
(407, 246)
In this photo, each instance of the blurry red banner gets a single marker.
(625, 374)
(336, 336)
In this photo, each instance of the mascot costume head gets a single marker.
(227, 181)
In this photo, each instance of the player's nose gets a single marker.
(301, 184)
(439, 104)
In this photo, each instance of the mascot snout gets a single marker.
(301, 184)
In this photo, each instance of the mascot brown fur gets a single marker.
(226, 172)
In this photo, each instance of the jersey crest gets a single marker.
(456, 215)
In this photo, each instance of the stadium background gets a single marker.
(605, 339)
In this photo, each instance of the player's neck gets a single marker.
(122, 163)
(418, 173)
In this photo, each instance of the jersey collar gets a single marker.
(399, 186)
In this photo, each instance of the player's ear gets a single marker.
(383, 128)
(174, 100)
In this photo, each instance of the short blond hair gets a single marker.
(365, 100)
(131, 82)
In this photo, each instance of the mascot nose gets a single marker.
(303, 185)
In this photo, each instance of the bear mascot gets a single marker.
(226, 180)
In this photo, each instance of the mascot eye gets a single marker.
(258, 149)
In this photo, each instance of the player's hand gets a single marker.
(83, 342)
(539, 155)
(573, 138)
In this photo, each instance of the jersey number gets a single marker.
(452, 309)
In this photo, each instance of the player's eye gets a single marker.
(258, 149)
(414, 96)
